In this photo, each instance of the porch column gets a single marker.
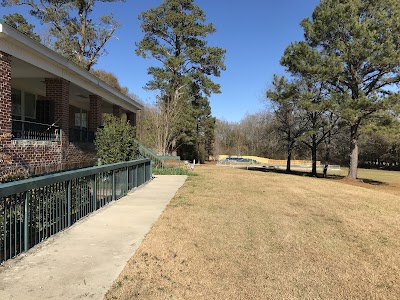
(131, 116)
(5, 93)
(57, 90)
(95, 112)
(117, 111)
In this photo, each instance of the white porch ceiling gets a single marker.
(29, 78)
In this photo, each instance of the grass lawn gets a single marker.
(381, 180)
(238, 234)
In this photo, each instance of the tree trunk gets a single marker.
(353, 152)
(173, 151)
(314, 155)
(289, 158)
(327, 154)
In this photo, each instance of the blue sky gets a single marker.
(254, 33)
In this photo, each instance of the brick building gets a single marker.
(50, 108)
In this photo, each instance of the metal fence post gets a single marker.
(69, 198)
(144, 172)
(151, 169)
(136, 175)
(95, 192)
(113, 185)
(148, 171)
(26, 221)
(131, 179)
(127, 180)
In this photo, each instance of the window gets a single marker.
(30, 105)
(81, 119)
(79, 125)
(23, 105)
(16, 99)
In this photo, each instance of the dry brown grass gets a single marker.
(380, 180)
(238, 234)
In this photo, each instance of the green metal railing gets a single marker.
(158, 161)
(146, 152)
(34, 209)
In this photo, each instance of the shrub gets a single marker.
(114, 142)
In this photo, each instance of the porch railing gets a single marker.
(34, 209)
(81, 135)
(25, 130)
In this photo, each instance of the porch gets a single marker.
(37, 113)
(50, 107)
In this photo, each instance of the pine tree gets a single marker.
(315, 102)
(291, 119)
(200, 139)
(175, 34)
(18, 21)
(75, 34)
(354, 47)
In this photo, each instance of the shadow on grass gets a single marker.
(363, 180)
(373, 182)
(308, 174)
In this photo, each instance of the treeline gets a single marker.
(259, 134)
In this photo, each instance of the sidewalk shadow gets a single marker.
(308, 174)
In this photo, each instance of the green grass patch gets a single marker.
(173, 171)
(384, 176)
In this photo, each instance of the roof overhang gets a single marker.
(26, 49)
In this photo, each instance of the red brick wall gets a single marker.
(71, 116)
(5, 93)
(131, 116)
(40, 157)
(117, 111)
(57, 90)
(79, 155)
(95, 112)
(35, 157)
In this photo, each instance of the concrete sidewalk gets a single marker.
(83, 261)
